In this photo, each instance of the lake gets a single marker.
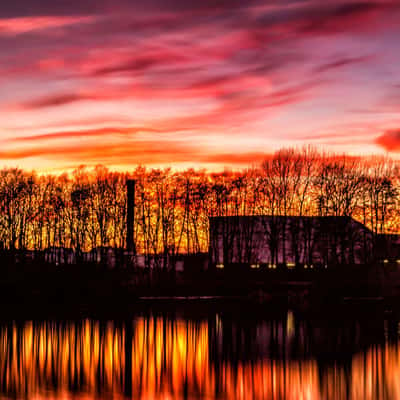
(203, 352)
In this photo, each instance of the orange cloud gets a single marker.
(136, 152)
(148, 152)
(245, 159)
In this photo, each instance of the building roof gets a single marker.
(324, 222)
(288, 217)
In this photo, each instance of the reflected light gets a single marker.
(162, 358)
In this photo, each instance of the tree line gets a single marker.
(87, 208)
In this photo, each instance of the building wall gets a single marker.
(289, 240)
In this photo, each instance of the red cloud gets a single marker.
(342, 62)
(142, 63)
(351, 16)
(15, 26)
(62, 99)
(389, 140)
(96, 133)
(52, 101)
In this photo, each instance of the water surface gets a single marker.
(211, 354)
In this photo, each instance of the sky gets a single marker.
(207, 84)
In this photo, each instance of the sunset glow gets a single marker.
(209, 85)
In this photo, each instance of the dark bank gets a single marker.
(297, 261)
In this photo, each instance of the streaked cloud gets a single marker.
(211, 82)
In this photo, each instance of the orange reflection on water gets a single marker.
(376, 373)
(161, 358)
(271, 380)
(170, 358)
(62, 357)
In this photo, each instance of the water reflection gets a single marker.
(218, 357)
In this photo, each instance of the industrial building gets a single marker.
(307, 241)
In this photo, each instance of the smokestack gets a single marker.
(130, 214)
